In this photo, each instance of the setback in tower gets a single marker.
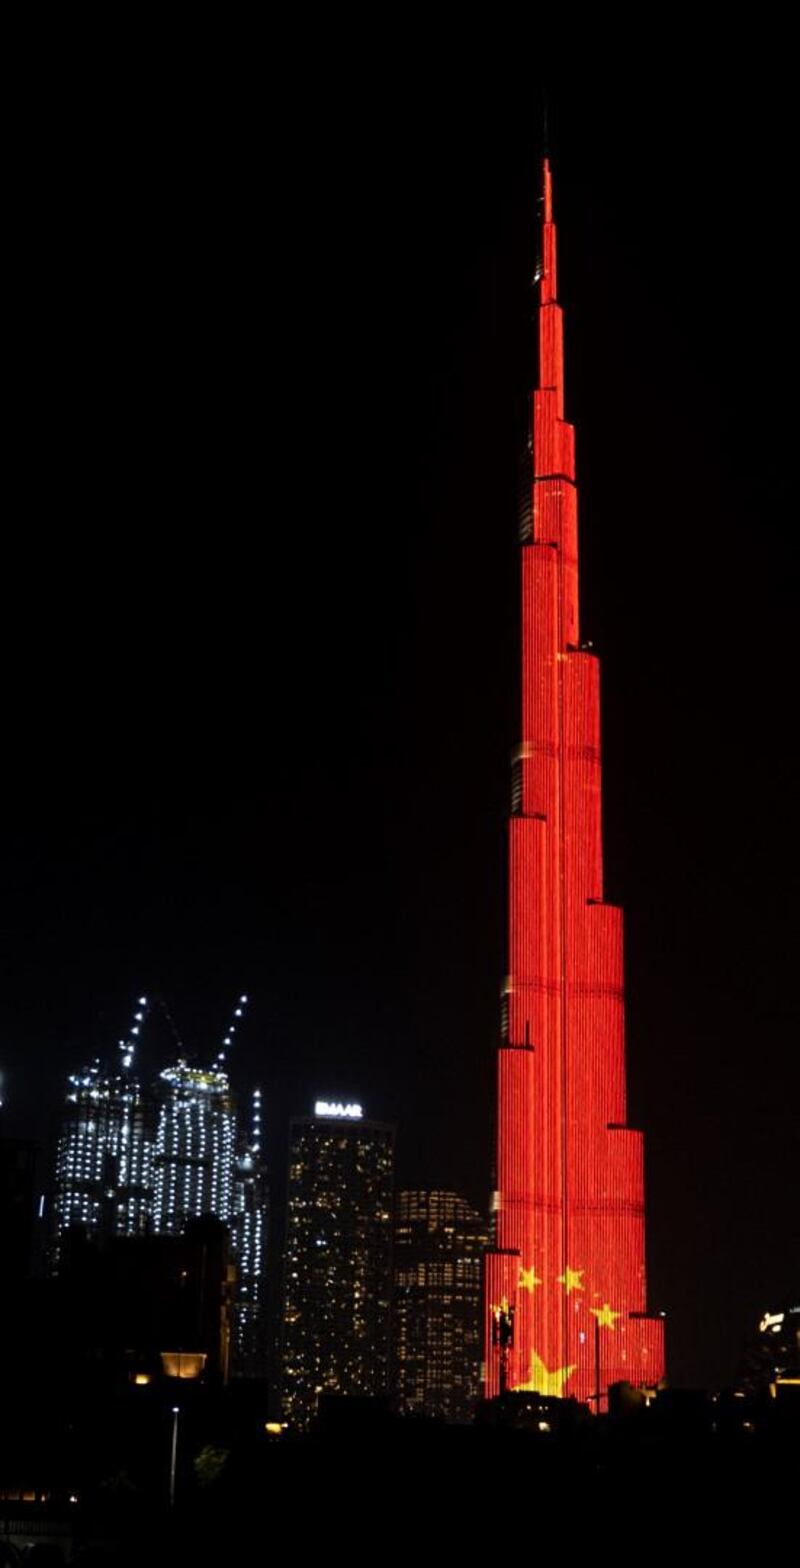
(566, 1310)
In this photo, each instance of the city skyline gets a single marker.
(296, 772)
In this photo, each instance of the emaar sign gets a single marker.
(336, 1108)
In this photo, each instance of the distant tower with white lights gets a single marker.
(134, 1161)
(105, 1155)
(196, 1143)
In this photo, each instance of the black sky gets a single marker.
(272, 340)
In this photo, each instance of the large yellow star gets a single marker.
(541, 1381)
(528, 1279)
(571, 1279)
(605, 1317)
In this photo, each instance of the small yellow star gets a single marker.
(571, 1279)
(605, 1317)
(541, 1381)
(528, 1279)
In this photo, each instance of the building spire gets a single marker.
(568, 1259)
(548, 293)
(551, 329)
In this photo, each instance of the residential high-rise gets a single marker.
(337, 1259)
(439, 1246)
(566, 1299)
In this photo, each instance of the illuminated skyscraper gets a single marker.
(337, 1259)
(104, 1161)
(566, 1297)
(439, 1246)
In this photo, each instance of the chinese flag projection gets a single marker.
(566, 1310)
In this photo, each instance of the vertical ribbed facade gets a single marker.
(568, 1272)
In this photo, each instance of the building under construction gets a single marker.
(140, 1157)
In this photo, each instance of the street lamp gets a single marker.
(174, 1455)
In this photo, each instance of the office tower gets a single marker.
(566, 1300)
(104, 1160)
(249, 1234)
(337, 1259)
(439, 1246)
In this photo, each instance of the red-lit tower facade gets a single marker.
(566, 1310)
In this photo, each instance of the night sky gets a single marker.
(272, 339)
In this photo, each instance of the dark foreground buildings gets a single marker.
(337, 1260)
(18, 1209)
(771, 1361)
(134, 1310)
